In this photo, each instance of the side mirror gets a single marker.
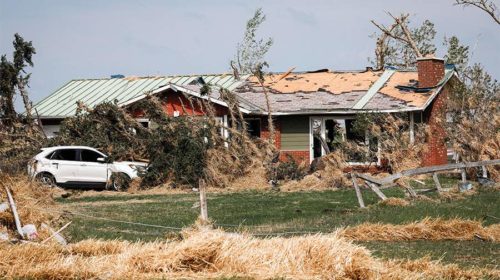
(101, 159)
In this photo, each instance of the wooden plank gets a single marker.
(56, 235)
(377, 191)
(203, 201)
(12, 204)
(464, 175)
(368, 178)
(436, 168)
(436, 182)
(358, 191)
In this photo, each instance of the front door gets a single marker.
(316, 132)
(330, 131)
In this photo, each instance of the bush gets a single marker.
(290, 170)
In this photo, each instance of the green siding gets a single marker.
(295, 133)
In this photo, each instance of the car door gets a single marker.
(65, 165)
(91, 170)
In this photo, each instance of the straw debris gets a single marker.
(427, 229)
(206, 253)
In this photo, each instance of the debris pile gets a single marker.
(427, 229)
(27, 211)
(206, 253)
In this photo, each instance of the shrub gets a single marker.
(290, 170)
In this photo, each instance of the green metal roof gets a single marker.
(62, 103)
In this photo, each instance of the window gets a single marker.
(253, 127)
(65, 154)
(352, 134)
(90, 156)
(49, 156)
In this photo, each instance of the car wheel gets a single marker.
(120, 181)
(46, 179)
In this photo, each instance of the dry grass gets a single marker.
(394, 201)
(29, 197)
(206, 253)
(427, 229)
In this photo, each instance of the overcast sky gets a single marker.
(93, 39)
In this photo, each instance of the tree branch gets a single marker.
(401, 21)
(488, 7)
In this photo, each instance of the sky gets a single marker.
(77, 39)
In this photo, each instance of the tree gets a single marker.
(400, 45)
(251, 51)
(488, 6)
(14, 79)
(457, 54)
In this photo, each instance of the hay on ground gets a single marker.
(34, 203)
(394, 201)
(206, 253)
(427, 229)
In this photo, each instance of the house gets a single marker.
(302, 103)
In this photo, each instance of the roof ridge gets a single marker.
(154, 76)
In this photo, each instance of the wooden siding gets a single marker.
(294, 133)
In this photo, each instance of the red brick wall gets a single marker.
(298, 156)
(435, 114)
(265, 133)
(173, 101)
(430, 71)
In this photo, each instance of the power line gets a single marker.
(111, 220)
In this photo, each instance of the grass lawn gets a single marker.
(276, 212)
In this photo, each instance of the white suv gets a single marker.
(82, 166)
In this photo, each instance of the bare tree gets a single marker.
(400, 45)
(488, 6)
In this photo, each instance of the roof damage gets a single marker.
(321, 91)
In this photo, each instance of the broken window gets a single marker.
(253, 127)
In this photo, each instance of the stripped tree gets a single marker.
(486, 5)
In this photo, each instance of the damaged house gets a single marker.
(303, 104)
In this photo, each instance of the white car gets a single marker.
(82, 166)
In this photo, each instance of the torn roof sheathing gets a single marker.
(333, 82)
(345, 92)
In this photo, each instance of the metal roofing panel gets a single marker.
(94, 89)
(62, 103)
(112, 90)
(46, 104)
(96, 93)
(74, 96)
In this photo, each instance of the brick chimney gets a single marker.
(430, 71)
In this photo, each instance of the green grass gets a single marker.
(276, 212)
(463, 253)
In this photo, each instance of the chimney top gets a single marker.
(430, 71)
(430, 56)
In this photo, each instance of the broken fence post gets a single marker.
(358, 191)
(12, 204)
(485, 171)
(436, 182)
(374, 188)
(464, 175)
(203, 201)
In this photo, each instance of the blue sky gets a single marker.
(93, 39)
